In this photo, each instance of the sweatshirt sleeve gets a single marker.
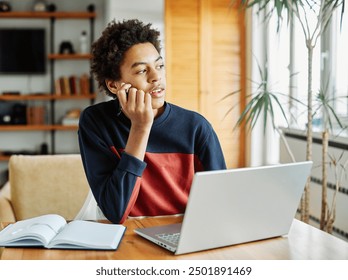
(113, 178)
(209, 151)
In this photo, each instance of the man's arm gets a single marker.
(136, 105)
(114, 177)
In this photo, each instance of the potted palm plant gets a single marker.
(329, 118)
(301, 11)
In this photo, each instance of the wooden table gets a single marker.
(303, 242)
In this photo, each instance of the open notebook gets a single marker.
(52, 231)
(235, 206)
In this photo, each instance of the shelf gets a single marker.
(64, 127)
(69, 97)
(43, 127)
(57, 15)
(4, 158)
(69, 56)
(45, 97)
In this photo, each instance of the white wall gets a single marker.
(148, 11)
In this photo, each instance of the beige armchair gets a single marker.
(43, 184)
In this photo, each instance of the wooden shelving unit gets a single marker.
(51, 96)
(41, 127)
(43, 15)
(44, 96)
(69, 56)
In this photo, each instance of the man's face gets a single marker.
(143, 68)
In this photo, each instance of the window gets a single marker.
(329, 66)
(341, 62)
(287, 59)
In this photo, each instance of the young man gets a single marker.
(139, 152)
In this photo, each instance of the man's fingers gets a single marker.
(148, 100)
(122, 94)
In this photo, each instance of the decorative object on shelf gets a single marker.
(83, 42)
(66, 47)
(13, 114)
(44, 149)
(71, 117)
(40, 6)
(5, 6)
(11, 93)
(5, 119)
(19, 115)
(51, 7)
(91, 8)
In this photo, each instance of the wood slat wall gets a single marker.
(182, 52)
(204, 62)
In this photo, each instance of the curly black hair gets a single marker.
(108, 51)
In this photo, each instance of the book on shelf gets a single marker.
(53, 231)
(84, 84)
(73, 85)
(57, 87)
(35, 115)
(66, 86)
(61, 86)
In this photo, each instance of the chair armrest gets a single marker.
(6, 210)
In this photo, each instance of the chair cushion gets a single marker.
(47, 184)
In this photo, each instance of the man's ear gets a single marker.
(112, 86)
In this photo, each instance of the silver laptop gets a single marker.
(235, 206)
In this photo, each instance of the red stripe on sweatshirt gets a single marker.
(132, 200)
(165, 184)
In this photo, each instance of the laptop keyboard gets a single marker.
(172, 238)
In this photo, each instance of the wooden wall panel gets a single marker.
(182, 56)
(204, 62)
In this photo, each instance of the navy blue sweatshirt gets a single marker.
(181, 142)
